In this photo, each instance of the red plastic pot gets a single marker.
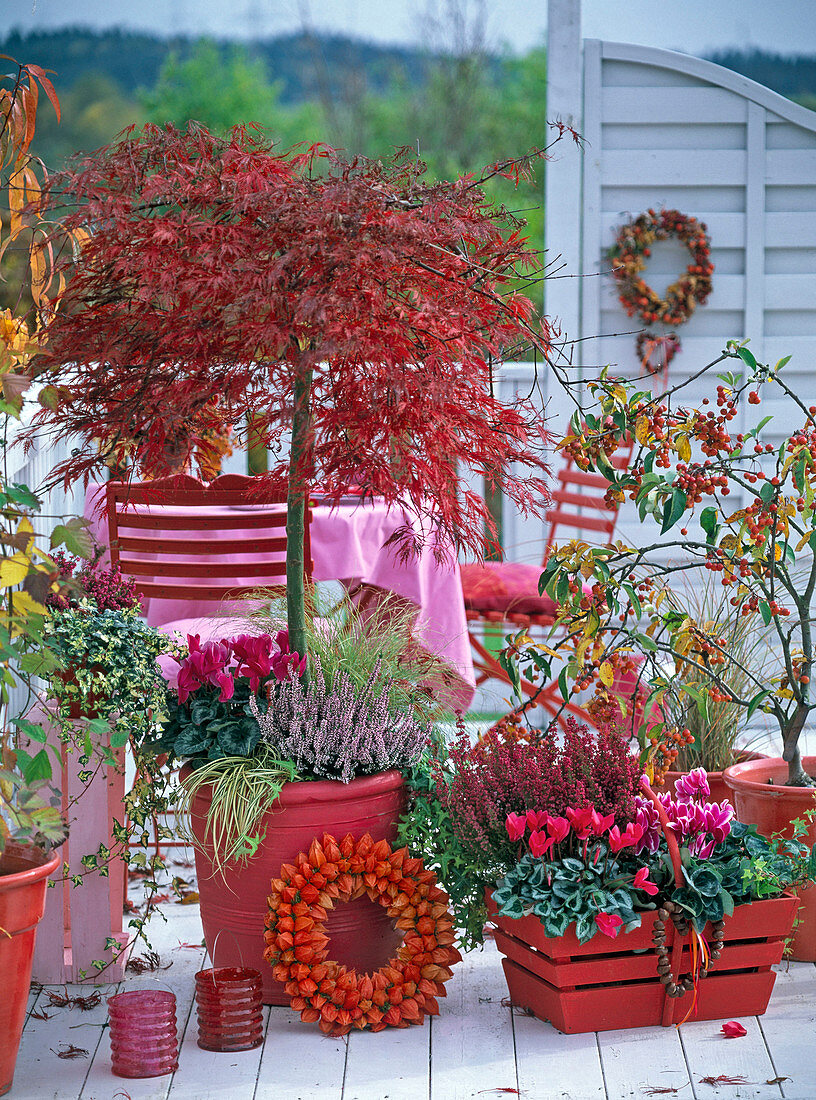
(235, 902)
(772, 806)
(24, 870)
(607, 984)
(716, 783)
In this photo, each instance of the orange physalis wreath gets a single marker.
(400, 993)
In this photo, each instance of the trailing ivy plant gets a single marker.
(427, 829)
(109, 666)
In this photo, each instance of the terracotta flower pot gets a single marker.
(24, 870)
(234, 904)
(772, 806)
(607, 984)
(717, 785)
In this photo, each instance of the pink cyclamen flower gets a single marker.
(227, 685)
(254, 654)
(718, 817)
(646, 817)
(692, 785)
(601, 824)
(642, 882)
(516, 825)
(581, 821)
(700, 847)
(286, 666)
(540, 844)
(626, 839)
(558, 828)
(609, 924)
(537, 819)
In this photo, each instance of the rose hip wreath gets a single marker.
(632, 247)
(399, 993)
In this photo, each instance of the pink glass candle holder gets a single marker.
(143, 1035)
(228, 1001)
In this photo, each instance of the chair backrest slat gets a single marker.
(595, 515)
(166, 534)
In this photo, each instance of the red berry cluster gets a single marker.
(665, 748)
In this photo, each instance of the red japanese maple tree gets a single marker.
(347, 301)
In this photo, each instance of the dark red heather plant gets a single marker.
(347, 301)
(482, 784)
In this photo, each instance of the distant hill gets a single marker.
(310, 65)
(301, 62)
(794, 77)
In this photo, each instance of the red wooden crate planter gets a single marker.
(607, 984)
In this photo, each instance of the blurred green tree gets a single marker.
(222, 87)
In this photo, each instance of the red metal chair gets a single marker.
(506, 594)
(165, 535)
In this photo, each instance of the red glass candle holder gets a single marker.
(143, 1035)
(228, 1001)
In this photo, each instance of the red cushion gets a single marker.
(505, 586)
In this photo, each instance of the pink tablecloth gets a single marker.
(348, 545)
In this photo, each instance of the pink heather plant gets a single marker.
(107, 588)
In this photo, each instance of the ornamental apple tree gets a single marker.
(745, 510)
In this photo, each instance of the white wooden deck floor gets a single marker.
(478, 1047)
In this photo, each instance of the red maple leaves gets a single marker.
(218, 272)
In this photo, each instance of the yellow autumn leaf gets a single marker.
(683, 642)
(683, 447)
(13, 570)
(24, 604)
(593, 621)
(607, 674)
(802, 541)
(642, 430)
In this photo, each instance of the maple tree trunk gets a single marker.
(296, 508)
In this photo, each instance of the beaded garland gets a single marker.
(337, 997)
(676, 987)
(632, 247)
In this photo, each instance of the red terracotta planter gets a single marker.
(607, 984)
(772, 807)
(234, 905)
(23, 874)
(716, 783)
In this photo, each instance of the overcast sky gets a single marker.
(693, 26)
